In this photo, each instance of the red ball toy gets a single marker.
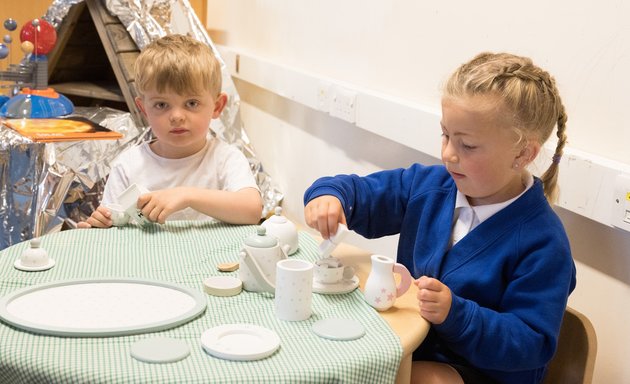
(41, 34)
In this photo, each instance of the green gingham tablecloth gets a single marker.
(186, 253)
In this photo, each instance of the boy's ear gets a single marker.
(140, 105)
(219, 104)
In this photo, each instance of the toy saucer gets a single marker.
(160, 350)
(240, 342)
(18, 265)
(338, 329)
(343, 286)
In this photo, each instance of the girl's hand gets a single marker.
(434, 299)
(100, 218)
(157, 206)
(324, 213)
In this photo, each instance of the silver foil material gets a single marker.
(58, 10)
(44, 186)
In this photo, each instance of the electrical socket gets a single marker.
(343, 104)
(323, 96)
(621, 203)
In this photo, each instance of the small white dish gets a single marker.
(338, 329)
(331, 271)
(240, 342)
(222, 285)
(160, 350)
(344, 286)
(18, 265)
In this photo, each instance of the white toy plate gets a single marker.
(240, 342)
(101, 307)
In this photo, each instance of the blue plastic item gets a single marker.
(36, 107)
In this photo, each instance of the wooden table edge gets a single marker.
(403, 318)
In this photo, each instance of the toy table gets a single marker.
(186, 253)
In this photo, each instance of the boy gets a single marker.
(192, 175)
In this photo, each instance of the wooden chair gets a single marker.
(574, 360)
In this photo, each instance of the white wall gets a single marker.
(406, 49)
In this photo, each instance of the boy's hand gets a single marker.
(100, 218)
(324, 213)
(159, 205)
(434, 298)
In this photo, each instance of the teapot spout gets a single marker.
(256, 272)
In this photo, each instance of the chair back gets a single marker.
(574, 360)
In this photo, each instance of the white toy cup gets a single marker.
(294, 289)
(119, 216)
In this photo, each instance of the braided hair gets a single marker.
(527, 92)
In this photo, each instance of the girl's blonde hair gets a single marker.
(177, 63)
(528, 94)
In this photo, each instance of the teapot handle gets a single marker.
(255, 270)
(285, 251)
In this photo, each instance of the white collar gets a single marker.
(484, 212)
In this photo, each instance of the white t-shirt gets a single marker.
(218, 166)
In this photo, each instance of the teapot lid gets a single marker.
(35, 242)
(261, 239)
(277, 218)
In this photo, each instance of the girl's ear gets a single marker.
(529, 152)
(219, 104)
(140, 105)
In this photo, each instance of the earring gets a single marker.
(515, 166)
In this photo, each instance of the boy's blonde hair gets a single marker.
(529, 97)
(180, 64)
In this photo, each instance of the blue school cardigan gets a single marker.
(510, 277)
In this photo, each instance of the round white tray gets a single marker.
(101, 307)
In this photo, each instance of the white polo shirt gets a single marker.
(467, 217)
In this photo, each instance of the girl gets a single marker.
(492, 260)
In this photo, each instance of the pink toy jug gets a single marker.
(380, 288)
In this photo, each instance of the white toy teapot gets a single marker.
(280, 227)
(258, 259)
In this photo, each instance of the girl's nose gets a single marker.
(448, 154)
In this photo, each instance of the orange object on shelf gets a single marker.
(62, 129)
(48, 92)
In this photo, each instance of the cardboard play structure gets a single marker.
(92, 63)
